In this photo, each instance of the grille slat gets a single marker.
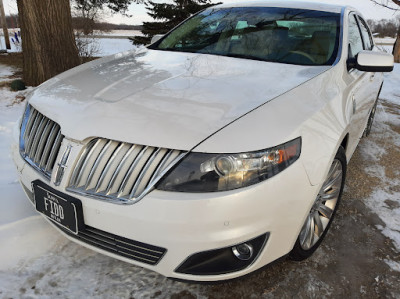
(112, 186)
(134, 250)
(95, 167)
(120, 172)
(31, 119)
(79, 164)
(32, 134)
(170, 158)
(36, 139)
(40, 141)
(49, 145)
(145, 171)
(54, 151)
(129, 178)
(111, 163)
(91, 156)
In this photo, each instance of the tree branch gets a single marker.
(381, 3)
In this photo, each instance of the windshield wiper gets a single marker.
(245, 56)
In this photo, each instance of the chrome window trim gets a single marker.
(341, 37)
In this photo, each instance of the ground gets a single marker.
(359, 258)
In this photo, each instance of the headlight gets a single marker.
(199, 172)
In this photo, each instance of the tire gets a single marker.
(368, 128)
(323, 211)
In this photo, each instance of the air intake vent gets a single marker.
(40, 141)
(117, 171)
(131, 249)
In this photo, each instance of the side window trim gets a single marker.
(361, 22)
(353, 15)
(359, 28)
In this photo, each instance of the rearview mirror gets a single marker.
(371, 61)
(156, 38)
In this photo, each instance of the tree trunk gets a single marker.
(4, 22)
(396, 49)
(48, 42)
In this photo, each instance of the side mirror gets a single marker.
(371, 61)
(156, 38)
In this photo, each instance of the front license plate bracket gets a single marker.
(64, 210)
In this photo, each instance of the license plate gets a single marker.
(61, 208)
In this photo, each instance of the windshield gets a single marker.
(285, 35)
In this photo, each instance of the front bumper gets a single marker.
(185, 224)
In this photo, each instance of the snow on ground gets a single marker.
(18, 222)
(14, 47)
(391, 86)
(385, 200)
(109, 46)
(106, 46)
(5, 72)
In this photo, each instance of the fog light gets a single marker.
(224, 260)
(243, 251)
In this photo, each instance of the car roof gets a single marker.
(287, 4)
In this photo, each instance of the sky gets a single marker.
(138, 11)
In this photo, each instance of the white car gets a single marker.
(214, 151)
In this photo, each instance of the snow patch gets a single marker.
(395, 266)
(385, 200)
(6, 71)
(34, 237)
(390, 215)
(391, 86)
(110, 46)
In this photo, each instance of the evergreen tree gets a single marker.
(167, 16)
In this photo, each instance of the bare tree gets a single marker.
(87, 13)
(395, 6)
(48, 42)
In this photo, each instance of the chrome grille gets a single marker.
(118, 171)
(40, 141)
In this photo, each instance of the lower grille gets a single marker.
(141, 252)
(40, 141)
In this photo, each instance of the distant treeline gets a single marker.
(382, 28)
(12, 22)
(385, 28)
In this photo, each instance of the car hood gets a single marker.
(164, 99)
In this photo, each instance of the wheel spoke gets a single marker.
(306, 233)
(335, 180)
(318, 224)
(325, 211)
(332, 194)
(310, 235)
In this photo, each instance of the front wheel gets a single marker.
(323, 210)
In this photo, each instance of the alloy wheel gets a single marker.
(324, 206)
